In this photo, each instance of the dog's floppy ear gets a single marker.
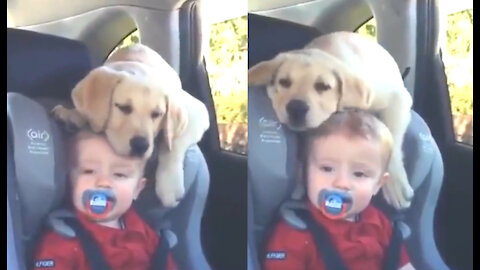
(263, 72)
(354, 92)
(92, 96)
(175, 120)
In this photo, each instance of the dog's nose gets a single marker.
(297, 110)
(139, 146)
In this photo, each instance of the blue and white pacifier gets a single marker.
(98, 203)
(334, 204)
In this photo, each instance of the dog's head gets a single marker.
(131, 104)
(306, 86)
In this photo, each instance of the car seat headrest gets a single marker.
(39, 160)
(267, 31)
(41, 65)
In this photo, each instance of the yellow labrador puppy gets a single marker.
(334, 72)
(133, 97)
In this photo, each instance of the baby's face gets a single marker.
(99, 168)
(352, 165)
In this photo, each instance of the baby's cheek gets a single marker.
(124, 193)
(313, 189)
(77, 199)
(362, 198)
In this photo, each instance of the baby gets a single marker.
(103, 187)
(344, 165)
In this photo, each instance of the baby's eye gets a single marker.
(326, 168)
(87, 171)
(120, 175)
(359, 174)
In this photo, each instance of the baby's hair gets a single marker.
(350, 123)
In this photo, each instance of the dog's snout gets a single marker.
(139, 146)
(297, 110)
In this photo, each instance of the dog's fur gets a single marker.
(136, 94)
(337, 71)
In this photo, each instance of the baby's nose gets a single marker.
(103, 181)
(341, 182)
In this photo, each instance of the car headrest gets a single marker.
(264, 31)
(41, 65)
(39, 170)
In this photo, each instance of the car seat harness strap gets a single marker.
(94, 253)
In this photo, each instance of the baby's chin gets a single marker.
(352, 217)
(354, 213)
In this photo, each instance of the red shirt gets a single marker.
(130, 248)
(361, 245)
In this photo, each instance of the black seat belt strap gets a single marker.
(392, 256)
(160, 257)
(91, 248)
(323, 242)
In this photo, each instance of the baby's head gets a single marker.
(103, 183)
(345, 162)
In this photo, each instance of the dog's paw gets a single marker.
(70, 119)
(170, 187)
(60, 113)
(397, 194)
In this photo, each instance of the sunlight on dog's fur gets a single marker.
(133, 97)
(337, 71)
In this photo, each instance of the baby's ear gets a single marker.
(140, 187)
(383, 179)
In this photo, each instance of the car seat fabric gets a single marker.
(270, 165)
(41, 72)
(35, 168)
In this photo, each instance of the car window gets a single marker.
(226, 59)
(369, 29)
(132, 38)
(457, 55)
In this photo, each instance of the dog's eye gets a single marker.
(285, 82)
(320, 86)
(155, 115)
(126, 109)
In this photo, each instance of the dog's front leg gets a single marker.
(169, 185)
(169, 175)
(397, 191)
(71, 118)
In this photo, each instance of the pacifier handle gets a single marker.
(98, 203)
(334, 204)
